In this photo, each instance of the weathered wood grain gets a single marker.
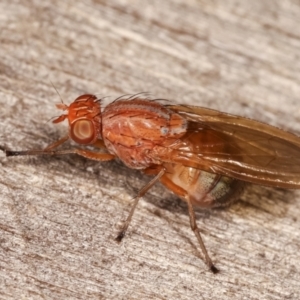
(59, 215)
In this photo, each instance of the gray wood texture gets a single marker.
(59, 215)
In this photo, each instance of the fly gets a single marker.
(203, 156)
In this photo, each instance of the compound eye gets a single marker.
(83, 132)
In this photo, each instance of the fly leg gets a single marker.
(140, 194)
(57, 143)
(183, 194)
(49, 151)
(28, 152)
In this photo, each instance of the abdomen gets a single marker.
(204, 189)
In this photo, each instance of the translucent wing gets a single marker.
(236, 147)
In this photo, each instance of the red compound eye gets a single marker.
(83, 132)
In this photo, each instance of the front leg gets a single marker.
(81, 152)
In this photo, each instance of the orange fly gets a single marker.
(201, 155)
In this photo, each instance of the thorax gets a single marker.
(132, 128)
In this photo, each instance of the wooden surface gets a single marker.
(59, 215)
